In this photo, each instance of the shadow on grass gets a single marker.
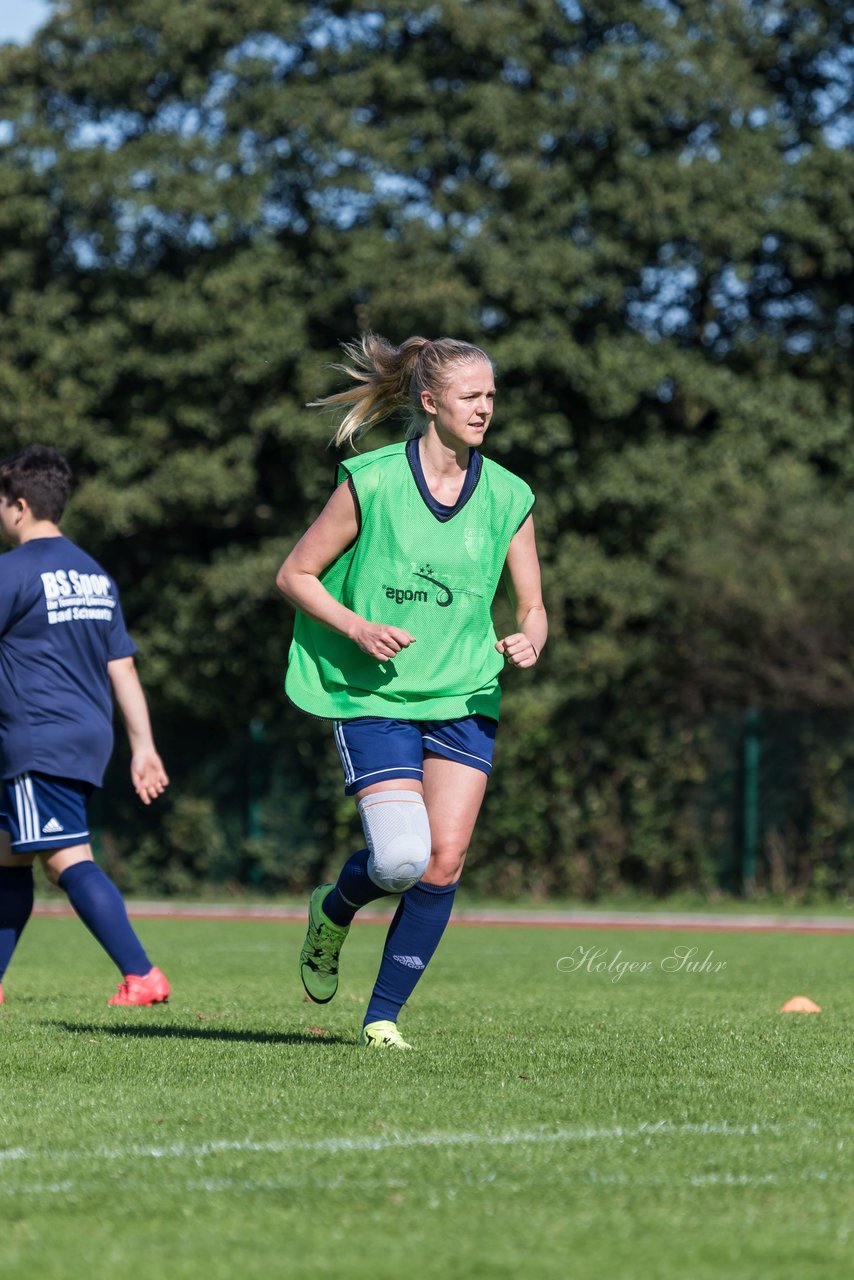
(174, 1032)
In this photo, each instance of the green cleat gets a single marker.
(318, 960)
(382, 1035)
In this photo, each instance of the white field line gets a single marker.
(590, 1178)
(387, 1142)
(623, 1180)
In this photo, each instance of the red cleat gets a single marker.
(2, 997)
(151, 988)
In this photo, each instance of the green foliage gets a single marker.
(642, 209)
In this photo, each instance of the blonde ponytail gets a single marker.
(390, 378)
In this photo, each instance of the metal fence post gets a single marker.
(254, 789)
(752, 750)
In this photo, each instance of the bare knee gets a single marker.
(51, 873)
(60, 860)
(446, 865)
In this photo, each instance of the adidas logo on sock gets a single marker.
(410, 962)
(52, 828)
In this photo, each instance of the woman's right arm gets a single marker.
(334, 530)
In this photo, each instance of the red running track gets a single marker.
(700, 922)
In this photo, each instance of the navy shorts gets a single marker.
(43, 813)
(373, 749)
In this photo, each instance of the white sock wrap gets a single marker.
(397, 832)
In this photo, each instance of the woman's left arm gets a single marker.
(522, 575)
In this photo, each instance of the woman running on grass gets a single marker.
(394, 643)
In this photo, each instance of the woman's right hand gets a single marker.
(379, 640)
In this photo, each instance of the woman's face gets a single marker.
(463, 409)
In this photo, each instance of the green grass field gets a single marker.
(554, 1120)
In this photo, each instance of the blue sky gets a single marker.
(20, 18)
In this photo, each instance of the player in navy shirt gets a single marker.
(64, 655)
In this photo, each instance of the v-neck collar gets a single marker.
(441, 510)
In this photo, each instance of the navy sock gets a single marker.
(413, 936)
(101, 907)
(16, 903)
(354, 889)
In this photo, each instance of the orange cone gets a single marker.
(800, 1004)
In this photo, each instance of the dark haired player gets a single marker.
(64, 654)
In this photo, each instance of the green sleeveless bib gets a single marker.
(436, 579)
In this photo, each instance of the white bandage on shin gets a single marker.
(397, 831)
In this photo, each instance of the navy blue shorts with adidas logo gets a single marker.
(43, 813)
(374, 749)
